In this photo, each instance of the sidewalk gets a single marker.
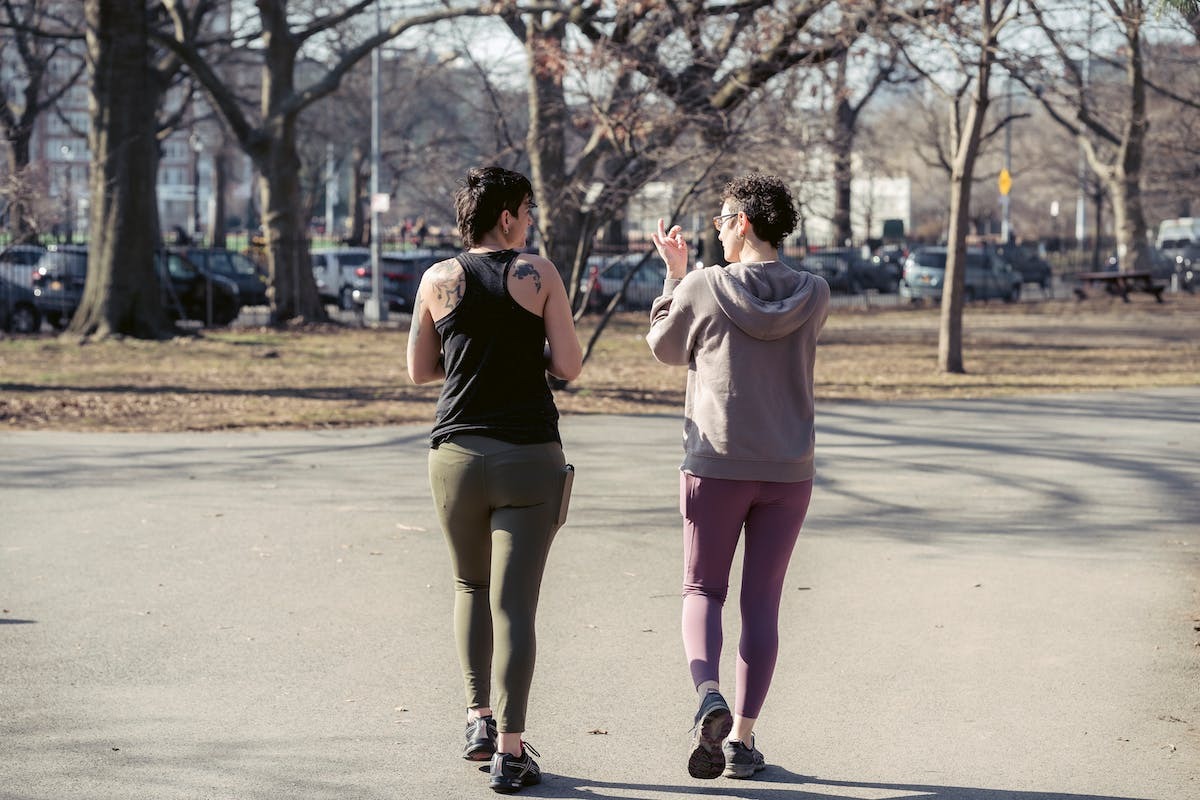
(991, 600)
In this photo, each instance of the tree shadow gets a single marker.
(777, 783)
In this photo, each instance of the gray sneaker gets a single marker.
(713, 723)
(742, 761)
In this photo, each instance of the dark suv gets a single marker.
(251, 283)
(845, 270)
(189, 293)
(58, 279)
(1032, 268)
(18, 309)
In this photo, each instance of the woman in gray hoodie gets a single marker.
(748, 333)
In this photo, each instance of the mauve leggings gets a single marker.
(714, 512)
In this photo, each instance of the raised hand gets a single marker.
(673, 249)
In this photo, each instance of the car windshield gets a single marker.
(231, 264)
(55, 262)
(354, 259)
(932, 259)
(620, 269)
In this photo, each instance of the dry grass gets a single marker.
(256, 378)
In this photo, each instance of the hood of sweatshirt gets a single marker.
(768, 300)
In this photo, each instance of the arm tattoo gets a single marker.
(525, 270)
(449, 282)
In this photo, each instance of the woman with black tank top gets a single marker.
(491, 323)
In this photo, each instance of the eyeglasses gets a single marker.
(719, 221)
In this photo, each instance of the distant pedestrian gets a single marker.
(491, 322)
(748, 332)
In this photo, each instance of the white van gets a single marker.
(1177, 234)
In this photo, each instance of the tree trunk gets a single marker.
(950, 345)
(842, 146)
(950, 351)
(1133, 247)
(122, 293)
(293, 290)
(563, 231)
(20, 216)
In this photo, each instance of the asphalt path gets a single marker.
(991, 600)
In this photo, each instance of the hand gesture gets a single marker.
(673, 249)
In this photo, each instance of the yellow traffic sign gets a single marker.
(1005, 182)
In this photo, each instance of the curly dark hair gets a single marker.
(483, 195)
(766, 202)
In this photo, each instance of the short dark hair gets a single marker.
(485, 193)
(767, 203)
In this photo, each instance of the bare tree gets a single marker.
(269, 137)
(845, 113)
(39, 32)
(1101, 100)
(970, 35)
(121, 295)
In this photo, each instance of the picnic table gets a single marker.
(1121, 283)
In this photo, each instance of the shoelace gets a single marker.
(527, 746)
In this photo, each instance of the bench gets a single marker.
(1121, 283)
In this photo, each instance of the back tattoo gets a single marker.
(525, 270)
(449, 282)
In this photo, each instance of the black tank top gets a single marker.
(493, 350)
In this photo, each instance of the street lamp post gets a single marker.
(197, 148)
(68, 193)
(375, 309)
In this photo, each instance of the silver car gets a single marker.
(988, 275)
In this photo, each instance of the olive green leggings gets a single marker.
(498, 506)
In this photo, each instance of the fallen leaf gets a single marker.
(598, 732)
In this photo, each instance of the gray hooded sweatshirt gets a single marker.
(748, 333)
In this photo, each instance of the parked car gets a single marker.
(187, 293)
(607, 274)
(190, 293)
(890, 259)
(18, 309)
(1029, 265)
(402, 271)
(845, 270)
(987, 275)
(251, 283)
(57, 282)
(341, 273)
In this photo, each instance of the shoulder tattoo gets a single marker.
(448, 282)
(525, 270)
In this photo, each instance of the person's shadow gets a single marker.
(778, 783)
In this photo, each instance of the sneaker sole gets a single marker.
(508, 788)
(707, 759)
(479, 753)
(742, 771)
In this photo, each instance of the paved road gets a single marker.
(992, 600)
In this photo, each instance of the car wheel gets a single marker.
(968, 295)
(57, 320)
(1014, 295)
(345, 299)
(25, 319)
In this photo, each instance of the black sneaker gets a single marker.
(510, 773)
(713, 723)
(481, 739)
(742, 761)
